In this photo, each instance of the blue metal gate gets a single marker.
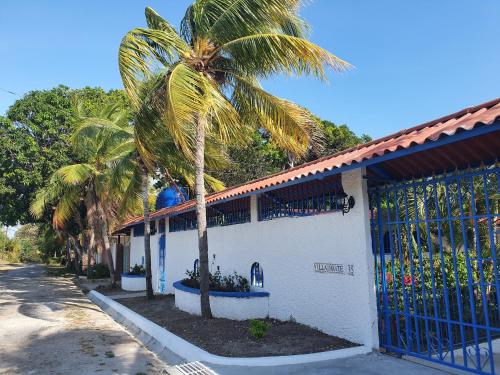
(436, 242)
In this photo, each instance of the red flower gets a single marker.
(408, 280)
(388, 277)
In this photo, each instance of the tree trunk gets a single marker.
(104, 238)
(68, 253)
(78, 254)
(201, 216)
(172, 181)
(147, 232)
(90, 205)
(99, 229)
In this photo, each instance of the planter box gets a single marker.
(133, 283)
(229, 305)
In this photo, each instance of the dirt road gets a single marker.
(47, 326)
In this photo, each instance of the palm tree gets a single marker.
(129, 174)
(209, 82)
(86, 182)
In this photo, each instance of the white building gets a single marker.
(310, 230)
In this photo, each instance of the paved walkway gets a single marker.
(370, 364)
(47, 326)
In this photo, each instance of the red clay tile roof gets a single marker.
(466, 119)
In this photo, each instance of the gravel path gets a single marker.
(47, 326)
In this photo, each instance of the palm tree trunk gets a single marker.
(106, 248)
(68, 253)
(89, 238)
(147, 233)
(201, 215)
(90, 205)
(78, 253)
(99, 229)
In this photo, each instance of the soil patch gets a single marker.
(230, 338)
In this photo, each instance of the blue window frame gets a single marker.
(257, 275)
(228, 213)
(305, 199)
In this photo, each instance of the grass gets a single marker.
(109, 354)
(58, 271)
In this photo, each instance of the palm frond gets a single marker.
(266, 54)
(232, 19)
(140, 48)
(292, 127)
(76, 174)
(67, 206)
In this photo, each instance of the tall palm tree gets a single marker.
(130, 177)
(130, 174)
(209, 81)
(87, 181)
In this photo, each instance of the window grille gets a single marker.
(305, 199)
(162, 226)
(139, 230)
(228, 213)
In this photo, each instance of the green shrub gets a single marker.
(99, 271)
(137, 270)
(229, 283)
(258, 328)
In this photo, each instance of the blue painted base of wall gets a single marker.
(215, 293)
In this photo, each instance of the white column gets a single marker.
(254, 214)
(359, 219)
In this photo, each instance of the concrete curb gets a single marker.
(164, 339)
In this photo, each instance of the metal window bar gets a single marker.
(228, 213)
(303, 199)
(438, 291)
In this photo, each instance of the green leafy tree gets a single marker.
(27, 238)
(210, 82)
(34, 142)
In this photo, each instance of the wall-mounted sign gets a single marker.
(334, 268)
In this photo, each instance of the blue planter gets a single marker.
(178, 285)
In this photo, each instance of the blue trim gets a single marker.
(133, 276)
(178, 285)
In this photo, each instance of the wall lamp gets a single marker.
(344, 202)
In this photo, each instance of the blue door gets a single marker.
(437, 263)
(162, 277)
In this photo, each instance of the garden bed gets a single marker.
(231, 338)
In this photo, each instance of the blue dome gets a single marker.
(170, 196)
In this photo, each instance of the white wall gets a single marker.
(287, 249)
(137, 252)
(224, 307)
(133, 284)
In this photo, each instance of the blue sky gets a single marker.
(415, 60)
